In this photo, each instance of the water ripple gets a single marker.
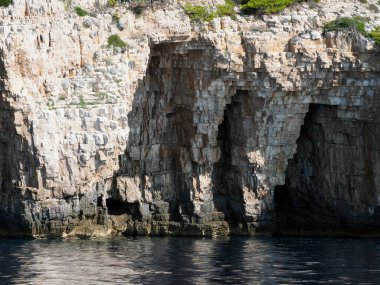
(190, 261)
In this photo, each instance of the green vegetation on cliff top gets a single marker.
(343, 23)
(5, 3)
(265, 6)
(111, 3)
(357, 23)
(80, 12)
(257, 7)
(115, 41)
(206, 14)
(375, 35)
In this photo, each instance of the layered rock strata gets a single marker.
(189, 130)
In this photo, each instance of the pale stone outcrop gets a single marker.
(188, 130)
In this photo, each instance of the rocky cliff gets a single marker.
(254, 125)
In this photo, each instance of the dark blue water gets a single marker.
(190, 261)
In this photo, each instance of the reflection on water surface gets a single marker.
(190, 261)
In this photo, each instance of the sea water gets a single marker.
(191, 261)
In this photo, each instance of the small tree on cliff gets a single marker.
(5, 3)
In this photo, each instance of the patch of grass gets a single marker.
(259, 7)
(116, 41)
(80, 12)
(343, 23)
(111, 3)
(228, 9)
(116, 16)
(363, 1)
(265, 6)
(198, 13)
(82, 103)
(375, 35)
(206, 14)
(357, 23)
(5, 3)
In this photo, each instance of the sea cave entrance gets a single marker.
(332, 182)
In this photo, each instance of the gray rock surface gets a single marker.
(189, 130)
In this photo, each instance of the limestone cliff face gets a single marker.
(192, 129)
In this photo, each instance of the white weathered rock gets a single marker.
(71, 106)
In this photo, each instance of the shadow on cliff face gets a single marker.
(162, 132)
(169, 153)
(228, 173)
(236, 187)
(17, 168)
(332, 182)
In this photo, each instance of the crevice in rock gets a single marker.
(227, 173)
(332, 181)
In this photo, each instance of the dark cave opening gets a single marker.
(99, 201)
(117, 208)
(228, 173)
(331, 181)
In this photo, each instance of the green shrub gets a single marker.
(375, 35)
(116, 16)
(270, 6)
(111, 3)
(82, 103)
(265, 6)
(226, 10)
(343, 23)
(116, 41)
(357, 23)
(199, 13)
(363, 1)
(5, 3)
(80, 12)
(205, 14)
